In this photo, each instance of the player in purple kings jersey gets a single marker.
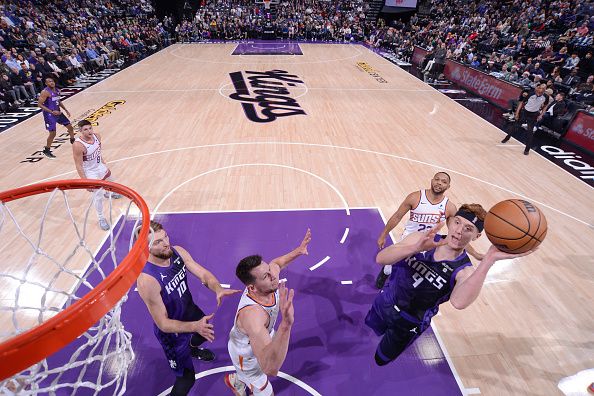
(179, 325)
(50, 103)
(428, 270)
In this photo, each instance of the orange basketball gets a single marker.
(515, 226)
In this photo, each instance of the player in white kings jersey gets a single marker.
(90, 164)
(256, 349)
(427, 209)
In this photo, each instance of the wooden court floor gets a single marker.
(362, 133)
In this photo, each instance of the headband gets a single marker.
(472, 218)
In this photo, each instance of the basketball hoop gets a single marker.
(26, 349)
(267, 4)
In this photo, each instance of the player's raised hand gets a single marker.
(427, 240)
(224, 293)
(204, 328)
(381, 241)
(286, 304)
(306, 239)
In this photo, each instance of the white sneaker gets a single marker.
(236, 386)
(103, 224)
(525, 126)
(113, 195)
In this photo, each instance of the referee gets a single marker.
(528, 112)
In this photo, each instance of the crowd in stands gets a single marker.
(335, 20)
(69, 40)
(524, 42)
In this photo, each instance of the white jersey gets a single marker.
(242, 356)
(426, 215)
(241, 340)
(92, 165)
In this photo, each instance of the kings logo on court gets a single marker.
(266, 96)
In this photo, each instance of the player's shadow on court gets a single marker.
(308, 369)
(337, 329)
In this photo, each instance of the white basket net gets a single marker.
(50, 260)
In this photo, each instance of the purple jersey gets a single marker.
(419, 284)
(53, 101)
(174, 287)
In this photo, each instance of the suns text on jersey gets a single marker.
(426, 217)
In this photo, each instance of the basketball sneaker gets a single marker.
(113, 195)
(48, 153)
(380, 281)
(236, 386)
(206, 355)
(103, 224)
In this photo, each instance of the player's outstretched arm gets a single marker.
(404, 207)
(469, 281)
(205, 276)
(270, 352)
(409, 246)
(283, 261)
(150, 292)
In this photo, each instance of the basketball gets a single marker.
(515, 226)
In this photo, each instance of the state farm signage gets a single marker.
(487, 87)
(418, 55)
(581, 131)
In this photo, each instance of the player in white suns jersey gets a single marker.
(425, 215)
(426, 209)
(255, 348)
(90, 164)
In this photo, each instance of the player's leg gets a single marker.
(48, 144)
(50, 126)
(63, 120)
(98, 203)
(194, 313)
(232, 380)
(237, 387)
(178, 356)
(110, 194)
(248, 373)
(183, 383)
(375, 321)
(398, 336)
(262, 389)
(98, 200)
